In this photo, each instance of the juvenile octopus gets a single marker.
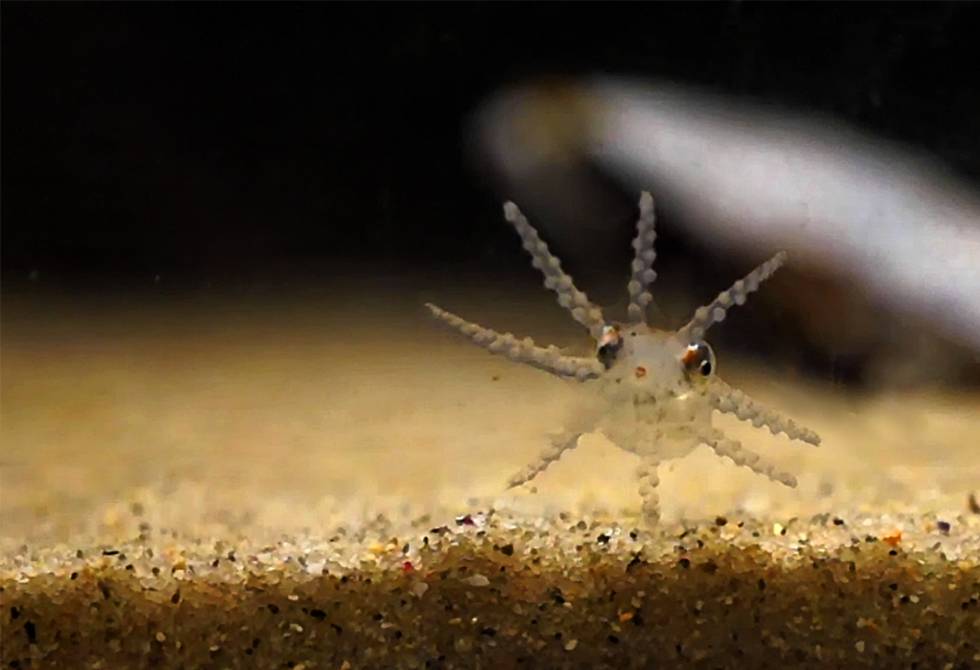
(656, 389)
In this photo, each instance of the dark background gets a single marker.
(208, 143)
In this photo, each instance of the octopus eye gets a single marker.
(610, 342)
(699, 359)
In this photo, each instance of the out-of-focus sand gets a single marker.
(288, 406)
(238, 421)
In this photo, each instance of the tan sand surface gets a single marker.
(179, 432)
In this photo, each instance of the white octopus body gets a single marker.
(651, 409)
(656, 390)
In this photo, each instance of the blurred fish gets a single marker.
(892, 224)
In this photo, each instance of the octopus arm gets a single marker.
(523, 350)
(740, 455)
(643, 274)
(730, 400)
(569, 297)
(715, 311)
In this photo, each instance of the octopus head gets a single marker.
(654, 362)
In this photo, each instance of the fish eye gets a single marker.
(699, 358)
(610, 342)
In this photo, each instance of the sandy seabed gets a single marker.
(227, 484)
